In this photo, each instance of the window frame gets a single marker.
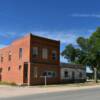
(66, 74)
(35, 52)
(53, 74)
(9, 68)
(54, 55)
(9, 56)
(20, 53)
(44, 53)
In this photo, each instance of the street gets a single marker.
(86, 94)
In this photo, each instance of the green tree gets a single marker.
(88, 52)
(91, 51)
(95, 50)
(69, 53)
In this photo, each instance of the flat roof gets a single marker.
(30, 34)
(69, 65)
(46, 38)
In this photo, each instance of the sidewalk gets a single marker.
(10, 91)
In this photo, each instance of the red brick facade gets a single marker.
(19, 63)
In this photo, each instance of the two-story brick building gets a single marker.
(28, 59)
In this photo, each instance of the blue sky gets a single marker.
(63, 20)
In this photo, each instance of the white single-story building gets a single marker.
(72, 72)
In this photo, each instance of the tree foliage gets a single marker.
(69, 53)
(88, 52)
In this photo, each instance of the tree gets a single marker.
(91, 49)
(88, 52)
(69, 53)
(95, 42)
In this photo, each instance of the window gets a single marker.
(45, 53)
(1, 58)
(8, 68)
(0, 70)
(35, 51)
(20, 67)
(44, 74)
(9, 56)
(49, 74)
(20, 53)
(73, 75)
(35, 72)
(54, 55)
(66, 74)
(80, 74)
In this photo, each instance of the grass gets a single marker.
(88, 83)
(6, 83)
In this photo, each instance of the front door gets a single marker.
(73, 76)
(0, 74)
(25, 72)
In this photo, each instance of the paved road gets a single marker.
(87, 94)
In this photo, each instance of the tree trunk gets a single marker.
(95, 75)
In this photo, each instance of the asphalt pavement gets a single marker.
(86, 94)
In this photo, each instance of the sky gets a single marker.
(63, 20)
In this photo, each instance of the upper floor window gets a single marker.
(45, 53)
(20, 67)
(20, 52)
(9, 56)
(35, 51)
(9, 68)
(54, 55)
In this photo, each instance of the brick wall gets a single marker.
(13, 71)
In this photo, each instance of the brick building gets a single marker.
(28, 59)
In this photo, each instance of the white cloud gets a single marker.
(65, 37)
(86, 15)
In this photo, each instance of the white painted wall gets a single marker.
(70, 70)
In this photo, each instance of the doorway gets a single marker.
(0, 74)
(73, 76)
(25, 72)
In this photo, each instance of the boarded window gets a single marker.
(35, 72)
(45, 53)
